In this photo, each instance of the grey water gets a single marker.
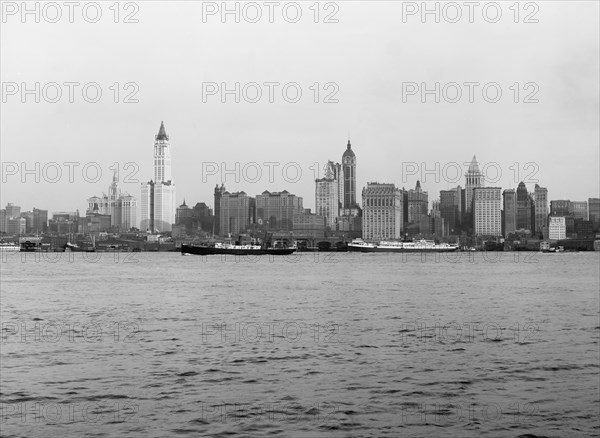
(310, 345)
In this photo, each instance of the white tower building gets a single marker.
(158, 195)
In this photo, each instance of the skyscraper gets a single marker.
(158, 195)
(349, 171)
(449, 208)
(12, 219)
(382, 212)
(12, 210)
(540, 196)
(418, 202)
(334, 171)
(40, 220)
(474, 178)
(218, 195)
(487, 211)
(237, 212)
(326, 200)
(523, 208)
(510, 211)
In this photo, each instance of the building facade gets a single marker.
(278, 209)
(335, 171)
(382, 212)
(308, 225)
(487, 207)
(540, 196)
(237, 212)
(184, 216)
(11, 219)
(418, 203)
(16, 225)
(523, 208)
(560, 207)
(327, 201)
(449, 209)
(557, 228)
(40, 220)
(509, 212)
(217, 205)
(579, 210)
(158, 195)
(204, 218)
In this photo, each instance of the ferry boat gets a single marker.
(358, 245)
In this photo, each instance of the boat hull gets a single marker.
(403, 250)
(206, 250)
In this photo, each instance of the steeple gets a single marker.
(162, 134)
(474, 166)
(348, 146)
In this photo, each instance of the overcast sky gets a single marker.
(368, 54)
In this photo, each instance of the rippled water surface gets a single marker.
(356, 345)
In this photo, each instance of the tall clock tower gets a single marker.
(349, 171)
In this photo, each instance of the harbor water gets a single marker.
(309, 345)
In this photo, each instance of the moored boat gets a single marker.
(235, 249)
(358, 245)
(9, 247)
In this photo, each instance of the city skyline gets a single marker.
(83, 206)
(322, 172)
